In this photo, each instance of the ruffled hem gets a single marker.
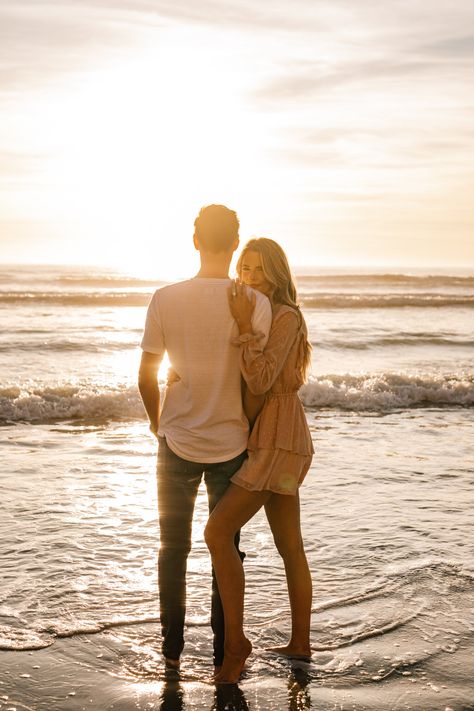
(282, 425)
(277, 471)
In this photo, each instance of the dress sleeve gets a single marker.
(261, 367)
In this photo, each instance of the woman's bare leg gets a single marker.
(283, 513)
(234, 509)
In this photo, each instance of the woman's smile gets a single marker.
(252, 273)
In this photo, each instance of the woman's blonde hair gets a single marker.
(277, 272)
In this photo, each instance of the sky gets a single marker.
(341, 128)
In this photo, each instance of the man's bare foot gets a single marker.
(172, 664)
(290, 650)
(234, 662)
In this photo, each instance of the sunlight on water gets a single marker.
(391, 577)
(387, 508)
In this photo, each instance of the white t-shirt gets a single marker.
(202, 416)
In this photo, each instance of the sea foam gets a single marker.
(388, 391)
(381, 392)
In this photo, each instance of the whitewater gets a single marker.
(69, 342)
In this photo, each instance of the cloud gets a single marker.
(41, 40)
(460, 47)
(373, 40)
(265, 16)
(312, 79)
(378, 149)
(355, 101)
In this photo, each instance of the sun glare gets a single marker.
(141, 146)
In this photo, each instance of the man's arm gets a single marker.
(148, 387)
(252, 405)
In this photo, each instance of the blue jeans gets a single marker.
(178, 483)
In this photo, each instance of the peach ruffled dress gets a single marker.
(280, 449)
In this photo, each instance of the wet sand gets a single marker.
(99, 672)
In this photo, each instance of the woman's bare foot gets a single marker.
(234, 662)
(293, 651)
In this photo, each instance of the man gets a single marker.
(202, 429)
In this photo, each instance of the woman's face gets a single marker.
(252, 273)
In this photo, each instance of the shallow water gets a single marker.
(388, 533)
(387, 508)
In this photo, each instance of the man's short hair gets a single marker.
(216, 228)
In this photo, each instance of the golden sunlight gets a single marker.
(140, 147)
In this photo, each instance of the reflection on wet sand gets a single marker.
(299, 698)
(230, 697)
(172, 695)
(227, 697)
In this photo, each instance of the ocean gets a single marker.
(387, 507)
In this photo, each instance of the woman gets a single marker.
(279, 453)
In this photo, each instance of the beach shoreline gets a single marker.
(64, 676)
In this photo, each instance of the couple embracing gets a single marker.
(239, 353)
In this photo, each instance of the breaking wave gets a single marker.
(367, 392)
(384, 392)
(312, 300)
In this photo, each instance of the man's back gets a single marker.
(202, 416)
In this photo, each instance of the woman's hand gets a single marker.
(242, 306)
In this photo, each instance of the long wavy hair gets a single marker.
(278, 273)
